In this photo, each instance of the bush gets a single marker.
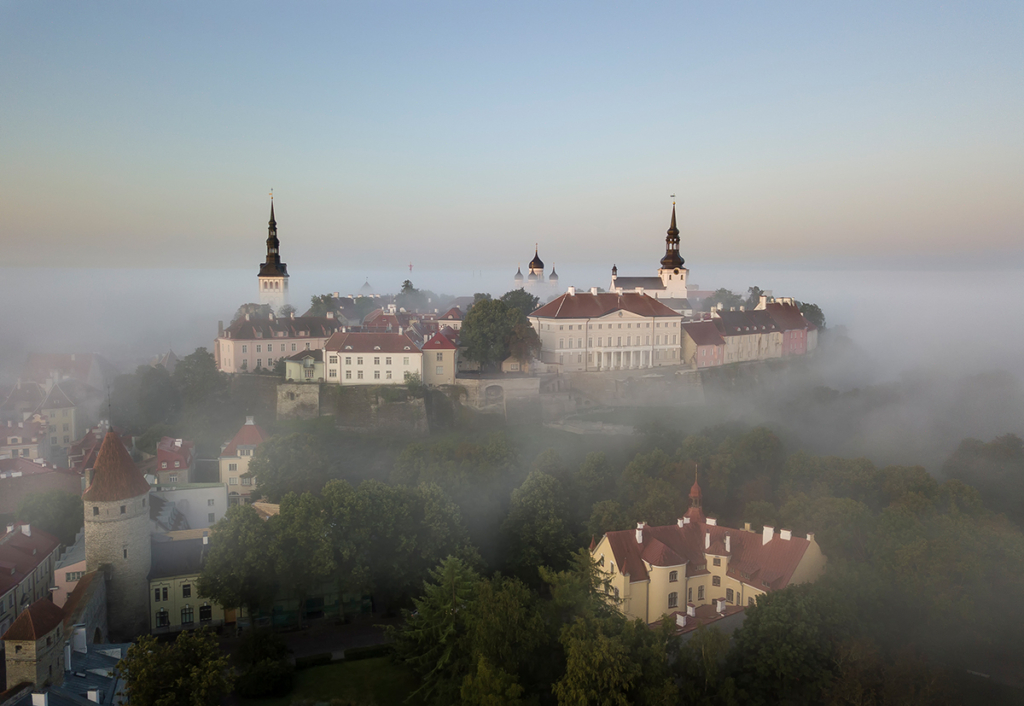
(369, 652)
(313, 661)
(266, 678)
(260, 645)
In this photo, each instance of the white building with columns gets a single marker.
(594, 331)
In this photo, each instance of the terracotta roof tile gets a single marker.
(116, 476)
(703, 333)
(371, 343)
(584, 305)
(248, 435)
(35, 621)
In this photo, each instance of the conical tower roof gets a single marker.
(116, 477)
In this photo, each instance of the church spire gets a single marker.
(672, 261)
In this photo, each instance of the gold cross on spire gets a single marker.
(271, 194)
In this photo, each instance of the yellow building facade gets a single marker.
(659, 571)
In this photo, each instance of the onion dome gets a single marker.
(532, 276)
(536, 263)
(519, 274)
(115, 475)
(554, 275)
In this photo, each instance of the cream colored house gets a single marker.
(305, 366)
(234, 462)
(660, 571)
(175, 603)
(440, 360)
(252, 342)
(594, 331)
(371, 359)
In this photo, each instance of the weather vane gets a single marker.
(271, 194)
(673, 196)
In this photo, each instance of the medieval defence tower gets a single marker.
(117, 537)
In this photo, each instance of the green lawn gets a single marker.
(366, 682)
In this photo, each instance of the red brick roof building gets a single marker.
(234, 462)
(658, 571)
(27, 560)
(590, 331)
(175, 461)
(371, 359)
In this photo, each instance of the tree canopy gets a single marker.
(191, 671)
(492, 330)
(54, 511)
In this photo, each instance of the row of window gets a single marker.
(233, 480)
(270, 347)
(163, 618)
(580, 327)
(333, 373)
(618, 341)
(160, 594)
(333, 359)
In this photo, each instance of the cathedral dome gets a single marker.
(519, 274)
(536, 263)
(554, 275)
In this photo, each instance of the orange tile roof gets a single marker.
(116, 476)
(248, 435)
(35, 621)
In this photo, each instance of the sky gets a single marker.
(455, 135)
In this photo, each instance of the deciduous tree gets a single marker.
(191, 671)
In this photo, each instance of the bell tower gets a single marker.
(672, 272)
(273, 276)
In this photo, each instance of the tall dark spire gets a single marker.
(273, 267)
(672, 261)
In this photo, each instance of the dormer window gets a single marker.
(376, 348)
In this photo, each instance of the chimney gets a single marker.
(94, 694)
(810, 536)
(67, 657)
(78, 639)
(220, 329)
(763, 302)
(639, 532)
(728, 545)
(291, 314)
(742, 307)
(681, 620)
(572, 291)
(247, 316)
(249, 420)
(786, 534)
(720, 605)
(691, 610)
(640, 290)
(746, 526)
(10, 528)
(712, 521)
(337, 296)
(40, 699)
(593, 290)
(206, 538)
(766, 535)
(330, 314)
(26, 529)
(682, 521)
(686, 521)
(707, 540)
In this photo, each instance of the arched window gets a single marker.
(162, 618)
(187, 615)
(673, 600)
(673, 576)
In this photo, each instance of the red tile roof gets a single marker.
(116, 476)
(248, 435)
(453, 314)
(704, 333)
(371, 343)
(20, 554)
(35, 621)
(769, 565)
(584, 305)
(439, 342)
(258, 328)
(787, 316)
(167, 449)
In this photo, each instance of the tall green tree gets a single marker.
(54, 511)
(522, 300)
(293, 463)
(813, 313)
(301, 548)
(321, 304)
(536, 530)
(490, 329)
(434, 641)
(240, 569)
(254, 310)
(197, 378)
(191, 671)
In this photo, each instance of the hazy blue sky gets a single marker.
(458, 134)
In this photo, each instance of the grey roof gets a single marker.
(634, 282)
(183, 557)
(166, 514)
(73, 554)
(679, 304)
(95, 669)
